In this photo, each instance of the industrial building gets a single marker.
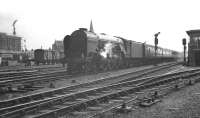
(194, 47)
(10, 47)
(10, 42)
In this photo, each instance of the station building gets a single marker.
(194, 47)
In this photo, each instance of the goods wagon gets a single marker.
(39, 56)
(44, 56)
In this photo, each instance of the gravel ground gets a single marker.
(184, 103)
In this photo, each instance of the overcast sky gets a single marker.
(41, 22)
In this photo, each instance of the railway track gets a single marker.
(95, 83)
(22, 74)
(28, 72)
(25, 81)
(30, 82)
(111, 99)
(24, 77)
(83, 101)
(60, 94)
(133, 100)
(21, 68)
(29, 77)
(10, 74)
(22, 84)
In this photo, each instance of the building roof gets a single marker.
(9, 36)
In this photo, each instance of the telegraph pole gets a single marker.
(156, 42)
(184, 47)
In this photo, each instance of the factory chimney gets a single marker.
(14, 32)
(91, 27)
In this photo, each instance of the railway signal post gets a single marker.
(156, 42)
(184, 45)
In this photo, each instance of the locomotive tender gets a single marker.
(86, 51)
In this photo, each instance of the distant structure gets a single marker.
(59, 48)
(194, 47)
(91, 27)
(10, 45)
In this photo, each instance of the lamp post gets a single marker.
(184, 46)
(156, 42)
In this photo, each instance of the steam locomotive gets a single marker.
(86, 51)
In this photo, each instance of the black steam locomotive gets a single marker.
(86, 51)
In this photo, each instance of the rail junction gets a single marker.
(98, 97)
